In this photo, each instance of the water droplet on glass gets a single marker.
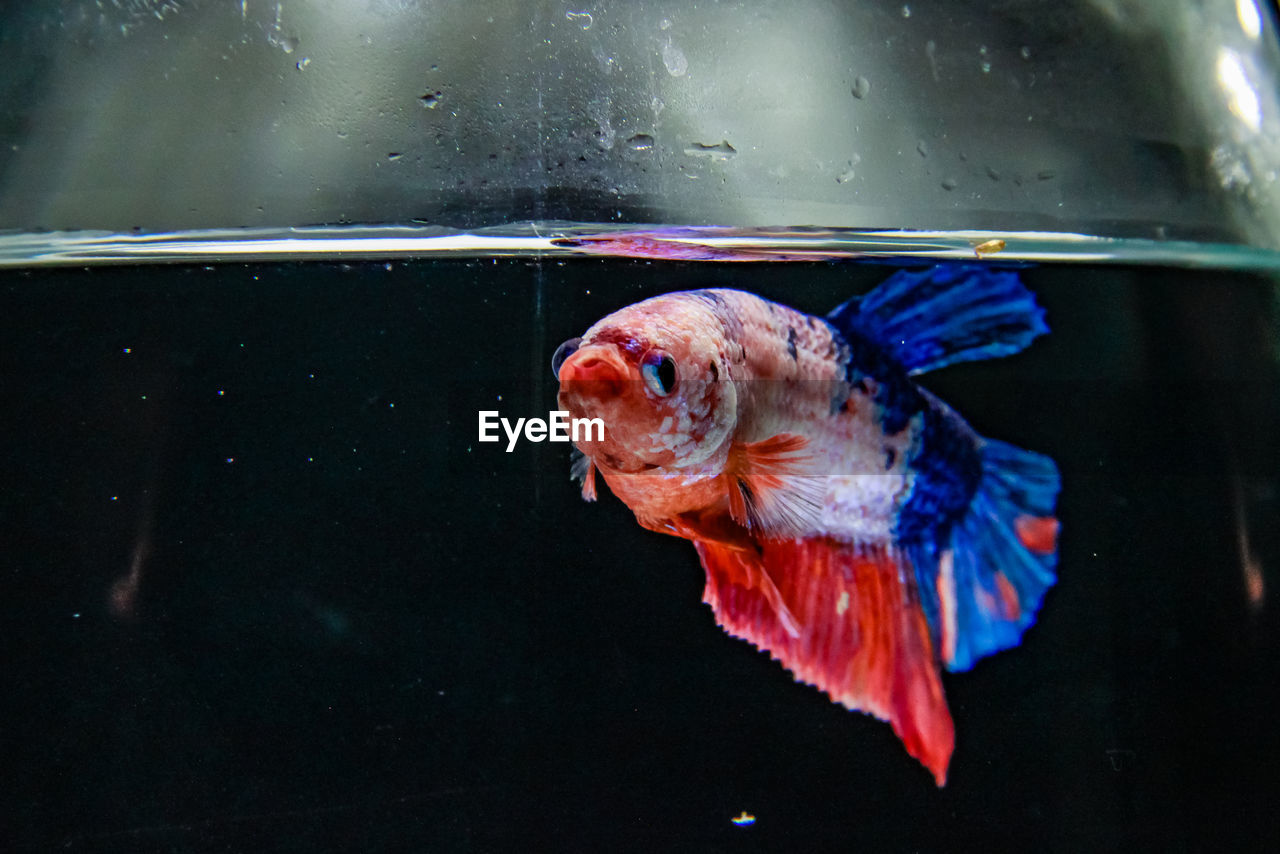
(949, 184)
(664, 24)
(923, 148)
(861, 87)
(302, 63)
(584, 19)
(394, 155)
(846, 176)
(289, 44)
(640, 142)
(720, 151)
(993, 174)
(431, 100)
(1044, 175)
(986, 68)
(673, 58)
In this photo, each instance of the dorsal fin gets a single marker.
(946, 314)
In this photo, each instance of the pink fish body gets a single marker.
(849, 523)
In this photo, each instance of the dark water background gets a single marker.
(350, 626)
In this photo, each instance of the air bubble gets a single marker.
(720, 151)
(640, 142)
(674, 59)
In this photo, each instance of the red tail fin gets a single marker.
(862, 636)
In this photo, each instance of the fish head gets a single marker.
(654, 374)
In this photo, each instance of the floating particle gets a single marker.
(931, 53)
(744, 819)
(989, 247)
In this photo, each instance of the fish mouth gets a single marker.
(592, 374)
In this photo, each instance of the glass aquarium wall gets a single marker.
(1107, 117)
(270, 583)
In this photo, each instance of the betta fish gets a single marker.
(850, 523)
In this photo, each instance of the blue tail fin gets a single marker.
(1001, 557)
(948, 313)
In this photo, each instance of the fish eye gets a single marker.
(563, 352)
(659, 372)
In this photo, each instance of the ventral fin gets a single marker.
(772, 490)
(862, 638)
(583, 471)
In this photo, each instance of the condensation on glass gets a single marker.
(1108, 117)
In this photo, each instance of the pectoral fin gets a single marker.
(772, 488)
